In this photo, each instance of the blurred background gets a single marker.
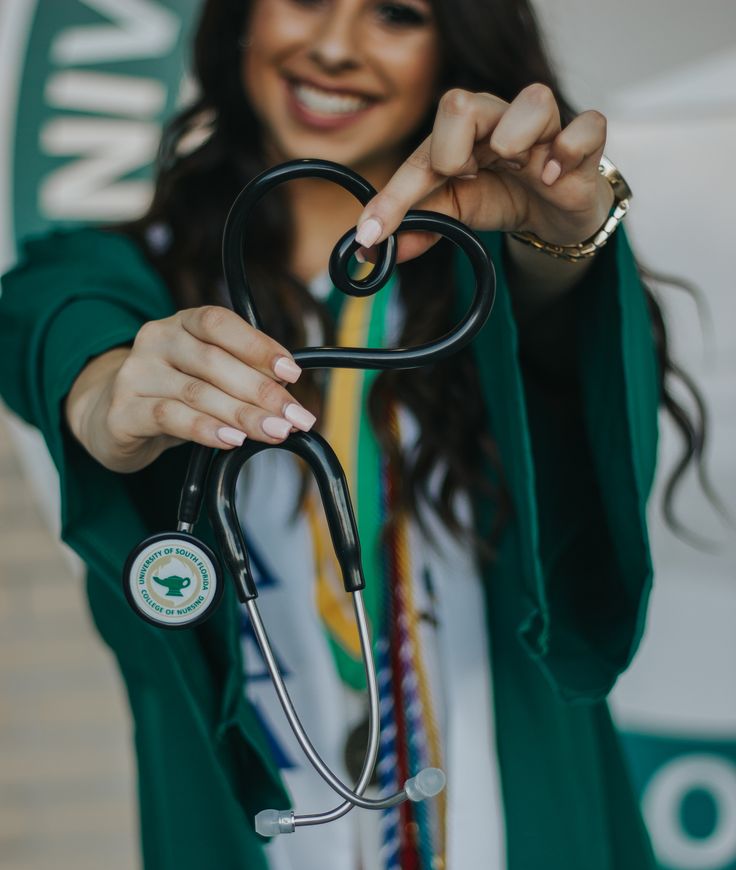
(84, 88)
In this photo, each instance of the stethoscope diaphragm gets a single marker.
(173, 580)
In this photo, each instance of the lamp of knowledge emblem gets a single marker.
(171, 582)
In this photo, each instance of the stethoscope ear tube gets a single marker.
(330, 478)
(233, 262)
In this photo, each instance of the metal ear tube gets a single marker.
(162, 550)
(321, 459)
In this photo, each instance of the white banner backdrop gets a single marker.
(665, 75)
(677, 704)
(84, 88)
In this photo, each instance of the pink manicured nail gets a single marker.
(469, 176)
(552, 171)
(231, 436)
(300, 417)
(368, 233)
(276, 427)
(286, 369)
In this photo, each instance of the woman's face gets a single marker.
(343, 80)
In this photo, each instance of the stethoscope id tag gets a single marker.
(173, 580)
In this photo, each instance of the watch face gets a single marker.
(172, 580)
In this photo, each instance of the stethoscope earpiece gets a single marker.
(173, 580)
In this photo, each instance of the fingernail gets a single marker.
(231, 436)
(275, 427)
(300, 417)
(287, 369)
(469, 176)
(368, 233)
(513, 164)
(551, 172)
(359, 255)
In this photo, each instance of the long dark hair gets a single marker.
(487, 46)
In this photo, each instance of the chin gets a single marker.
(326, 151)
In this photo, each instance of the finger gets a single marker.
(532, 118)
(251, 419)
(154, 417)
(462, 200)
(462, 118)
(410, 244)
(414, 244)
(486, 203)
(210, 363)
(411, 182)
(580, 145)
(143, 381)
(224, 328)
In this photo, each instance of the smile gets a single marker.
(325, 102)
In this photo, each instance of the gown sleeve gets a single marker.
(73, 295)
(577, 441)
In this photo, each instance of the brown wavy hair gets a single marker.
(212, 148)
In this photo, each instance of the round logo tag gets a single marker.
(172, 581)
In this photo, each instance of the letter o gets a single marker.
(662, 802)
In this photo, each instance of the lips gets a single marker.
(324, 108)
(328, 102)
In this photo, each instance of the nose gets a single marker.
(335, 44)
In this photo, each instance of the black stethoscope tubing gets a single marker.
(319, 456)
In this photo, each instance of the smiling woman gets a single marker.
(365, 72)
(500, 495)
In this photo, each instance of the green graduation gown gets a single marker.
(566, 596)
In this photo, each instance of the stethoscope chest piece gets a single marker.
(173, 580)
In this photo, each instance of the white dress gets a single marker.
(455, 644)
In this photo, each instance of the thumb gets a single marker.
(411, 244)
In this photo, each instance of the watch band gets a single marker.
(588, 248)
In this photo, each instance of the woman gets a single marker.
(514, 476)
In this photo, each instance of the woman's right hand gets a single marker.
(201, 375)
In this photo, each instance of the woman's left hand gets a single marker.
(498, 166)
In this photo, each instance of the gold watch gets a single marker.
(588, 248)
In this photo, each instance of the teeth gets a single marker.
(321, 101)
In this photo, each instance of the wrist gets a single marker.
(87, 405)
(535, 281)
(613, 206)
(87, 387)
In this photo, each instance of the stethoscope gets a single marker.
(173, 580)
